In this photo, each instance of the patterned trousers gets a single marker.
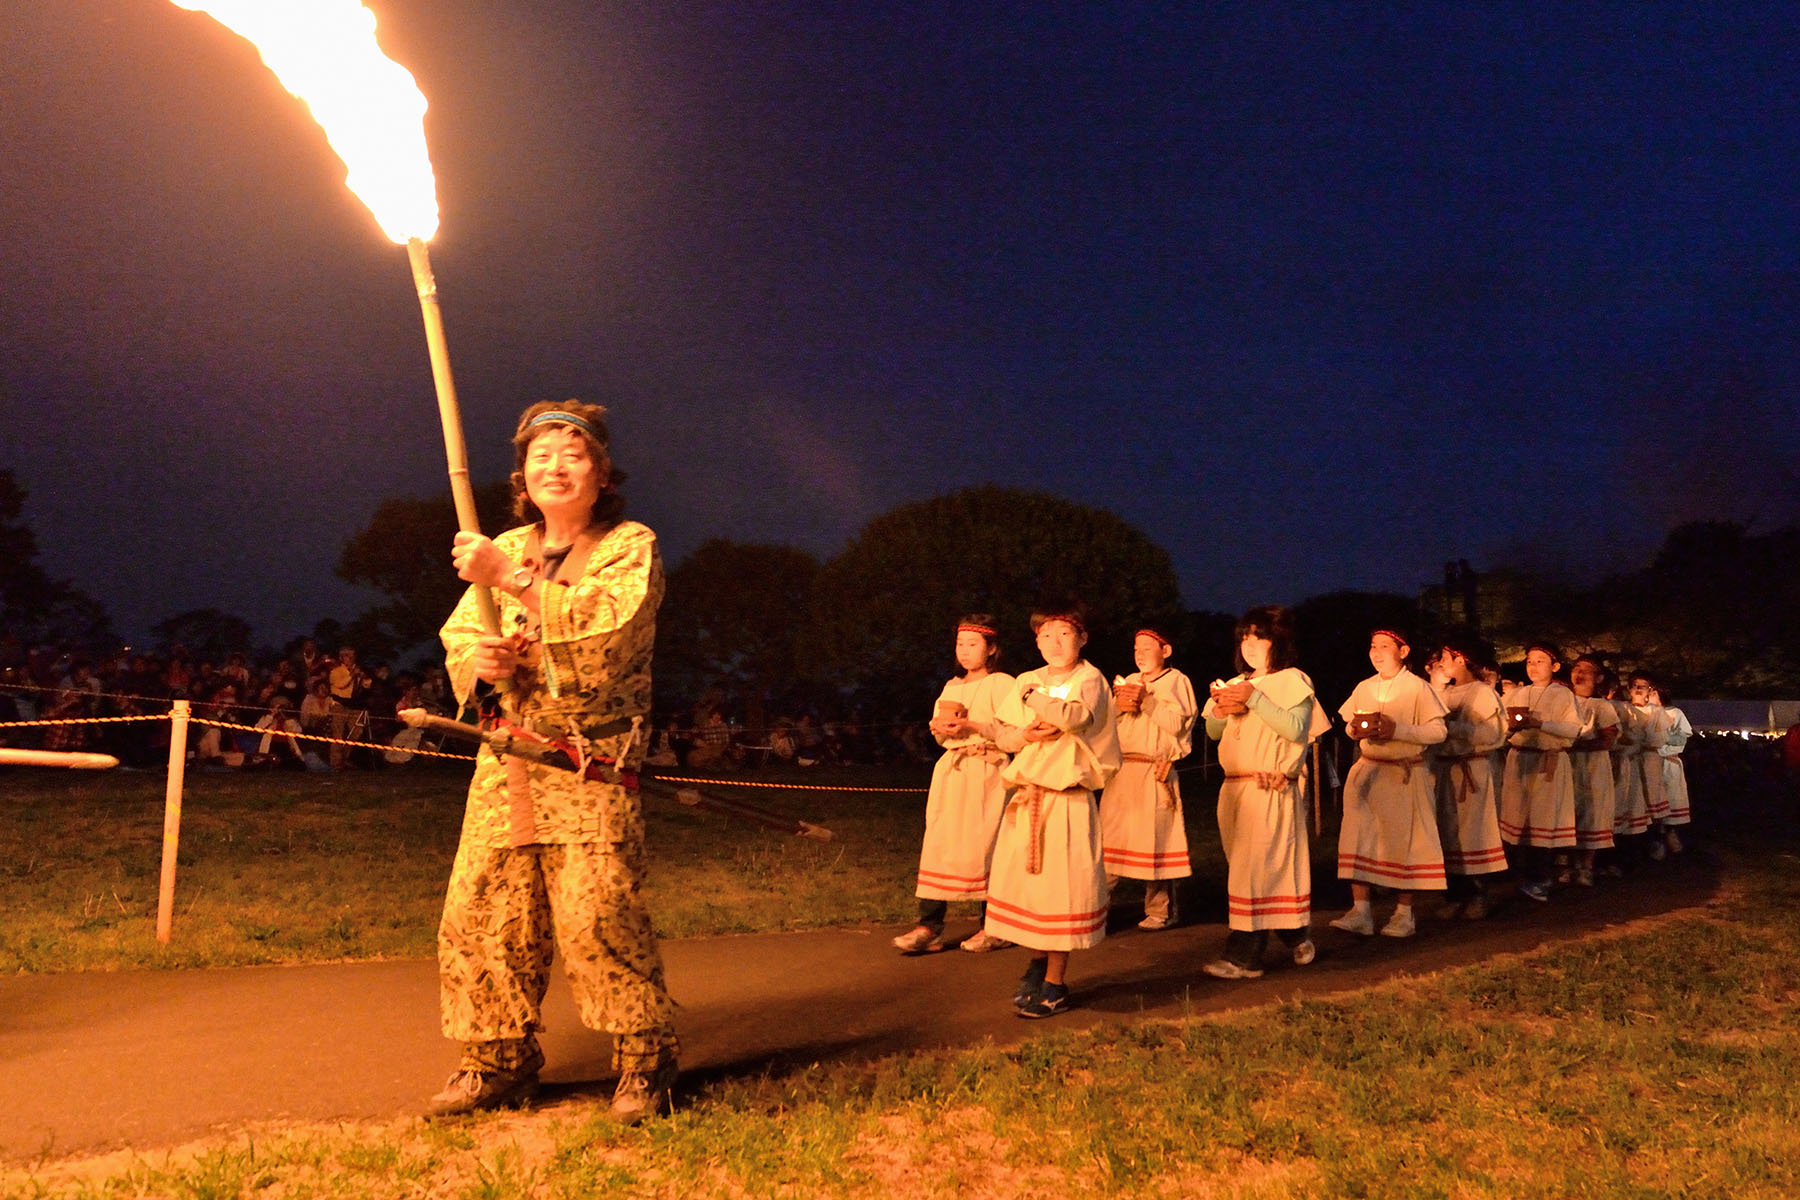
(507, 911)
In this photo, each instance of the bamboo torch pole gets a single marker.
(455, 449)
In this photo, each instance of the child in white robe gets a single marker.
(962, 812)
(1591, 759)
(1264, 719)
(1462, 768)
(1142, 832)
(1657, 726)
(1389, 837)
(1047, 890)
(1674, 774)
(1537, 792)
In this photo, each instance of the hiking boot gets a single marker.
(642, 1094)
(476, 1091)
(1305, 952)
(983, 941)
(1031, 982)
(1053, 998)
(1535, 891)
(1401, 924)
(1357, 920)
(1224, 968)
(919, 941)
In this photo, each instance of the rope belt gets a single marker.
(1159, 768)
(1268, 781)
(1465, 788)
(1405, 765)
(1030, 800)
(1547, 759)
(986, 752)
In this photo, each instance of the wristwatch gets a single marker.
(520, 580)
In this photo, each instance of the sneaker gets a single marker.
(1535, 891)
(1305, 952)
(1224, 968)
(1053, 998)
(1401, 924)
(1674, 842)
(983, 941)
(919, 941)
(641, 1095)
(1154, 923)
(477, 1091)
(1478, 908)
(1448, 910)
(1584, 876)
(1357, 920)
(1565, 876)
(1030, 983)
(1658, 850)
(1612, 870)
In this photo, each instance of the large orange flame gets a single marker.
(372, 112)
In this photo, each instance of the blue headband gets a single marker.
(569, 419)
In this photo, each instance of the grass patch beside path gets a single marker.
(1654, 1062)
(310, 868)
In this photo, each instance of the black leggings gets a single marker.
(933, 912)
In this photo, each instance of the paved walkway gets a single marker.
(147, 1059)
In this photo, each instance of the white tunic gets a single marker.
(1675, 789)
(1047, 889)
(1656, 736)
(1593, 776)
(1631, 811)
(1262, 813)
(1390, 834)
(1537, 793)
(1462, 768)
(1142, 832)
(967, 795)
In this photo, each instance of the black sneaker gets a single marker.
(1031, 982)
(1054, 998)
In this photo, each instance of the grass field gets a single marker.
(298, 868)
(1654, 1061)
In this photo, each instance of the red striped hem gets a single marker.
(1139, 858)
(1594, 839)
(1395, 874)
(1632, 825)
(1476, 858)
(1514, 831)
(1251, 906)
(924, 874)
(1080, 921)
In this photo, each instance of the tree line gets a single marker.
(777, 629)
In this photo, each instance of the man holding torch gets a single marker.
(554, 859)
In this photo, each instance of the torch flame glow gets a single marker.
(372, 112)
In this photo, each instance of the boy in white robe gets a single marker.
(1591, 759)
(1389, 837)
(1676, 733)
(1142, 832)
(962, 812)
(1463, 773)
(1264, 719)
(1537, 793)
(1656, 736)
(1047, 890)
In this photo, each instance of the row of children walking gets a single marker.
(1052, 786)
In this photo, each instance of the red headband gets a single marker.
(1167, 644)
(1399, 638)
(983, 630)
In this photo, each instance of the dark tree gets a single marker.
(404, 552)
(33, 606)
(1331, 634)
(884, 610)
(733, 616)
(208, 634)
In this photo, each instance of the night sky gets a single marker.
(1316, 295)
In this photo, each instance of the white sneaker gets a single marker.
(918, 941)
(1224, 968)
(981, 941)
(1401, 924)
(1305, 952)
(1357, 920)
(1155, 923)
